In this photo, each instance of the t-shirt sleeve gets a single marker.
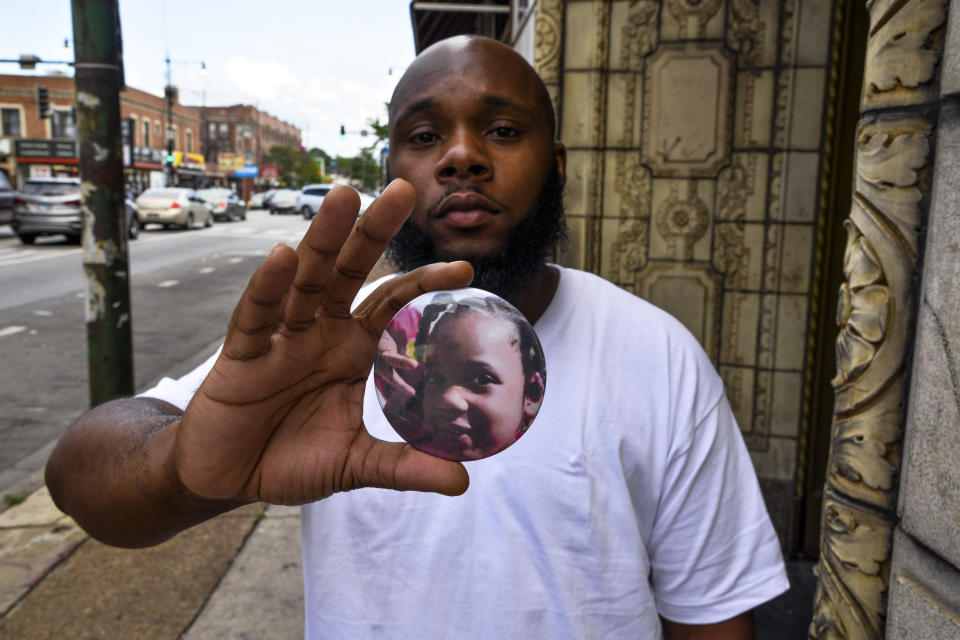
(714, 553)
(179, 392)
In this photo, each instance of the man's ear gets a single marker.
(560, 153)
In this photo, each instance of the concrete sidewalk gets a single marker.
(236, 576)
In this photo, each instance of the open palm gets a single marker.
(279, 418)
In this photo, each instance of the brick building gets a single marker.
(212, 145)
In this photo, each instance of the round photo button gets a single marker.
(460, 374)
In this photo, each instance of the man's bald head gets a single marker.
(467, 54)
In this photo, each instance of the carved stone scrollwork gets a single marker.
(902, 52)
(874, 314)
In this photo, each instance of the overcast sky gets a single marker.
(316, 64)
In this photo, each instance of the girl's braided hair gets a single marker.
(444, 305)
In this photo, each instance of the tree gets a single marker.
(297, 167)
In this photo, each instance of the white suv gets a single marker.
(308, 202)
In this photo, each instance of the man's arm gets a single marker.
(737, 628)
(112, 472)
(279, 417)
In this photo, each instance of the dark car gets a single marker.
(226, 204)
(51, 206)
(6, 199)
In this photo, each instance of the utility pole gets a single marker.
(99, 79)
(168, 159)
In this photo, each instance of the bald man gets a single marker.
(630, 509)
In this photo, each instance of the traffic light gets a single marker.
(43, 106)
(170, 152)
(343, 131)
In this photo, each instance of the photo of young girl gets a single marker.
(460, 374)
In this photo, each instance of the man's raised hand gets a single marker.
(279, 418)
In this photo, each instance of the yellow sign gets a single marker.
(231, 160)
(188, 160)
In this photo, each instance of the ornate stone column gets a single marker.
(876, 314)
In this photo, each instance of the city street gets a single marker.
(184, 286)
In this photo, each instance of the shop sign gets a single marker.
(39, 171)
(270, 172)
(188, 160)
(249, 171)
(148, 155)
(229, 160)
(38, 148)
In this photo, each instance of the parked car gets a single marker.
(308, 202)
(259, 200)
(6, 199)
(174, 206)
(283, 201)
(50, 206)
(225, 203)
(133, 219)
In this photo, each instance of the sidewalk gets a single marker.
(236, 576)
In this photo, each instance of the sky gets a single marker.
(315, 64)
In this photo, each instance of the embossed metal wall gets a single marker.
(697, 146)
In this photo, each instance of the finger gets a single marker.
(366, 243)
(255, 316)
(386, 300)
(400, 385)
(318, 253)
(396, 465)
(396, 361)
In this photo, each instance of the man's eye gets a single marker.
(433, 379)
(505, 132)
(423, 137)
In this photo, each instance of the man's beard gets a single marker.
(506, 272)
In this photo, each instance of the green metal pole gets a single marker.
(99, 79)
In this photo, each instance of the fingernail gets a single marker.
(276, 247)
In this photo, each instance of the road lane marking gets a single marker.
(11, 330)
(168, 283)
(235, 260)
(42, 312)
(207, 270)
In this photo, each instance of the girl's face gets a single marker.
(474, 385)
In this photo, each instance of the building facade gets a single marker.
(211, 145)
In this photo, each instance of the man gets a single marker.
(630, 509)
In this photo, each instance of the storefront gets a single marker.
(44, 158)
(188, 170)
(145, 169)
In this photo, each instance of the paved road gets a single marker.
(184, 285)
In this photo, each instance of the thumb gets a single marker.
(397, 465)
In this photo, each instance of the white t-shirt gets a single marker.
(631, 496)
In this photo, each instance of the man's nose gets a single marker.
(464, 158)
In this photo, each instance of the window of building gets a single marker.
(11, 122)
(63, 123)
(212, 130)
(224, 130)
(157, 131)
(145, 134)
(189, 134)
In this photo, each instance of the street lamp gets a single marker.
(168, 93)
